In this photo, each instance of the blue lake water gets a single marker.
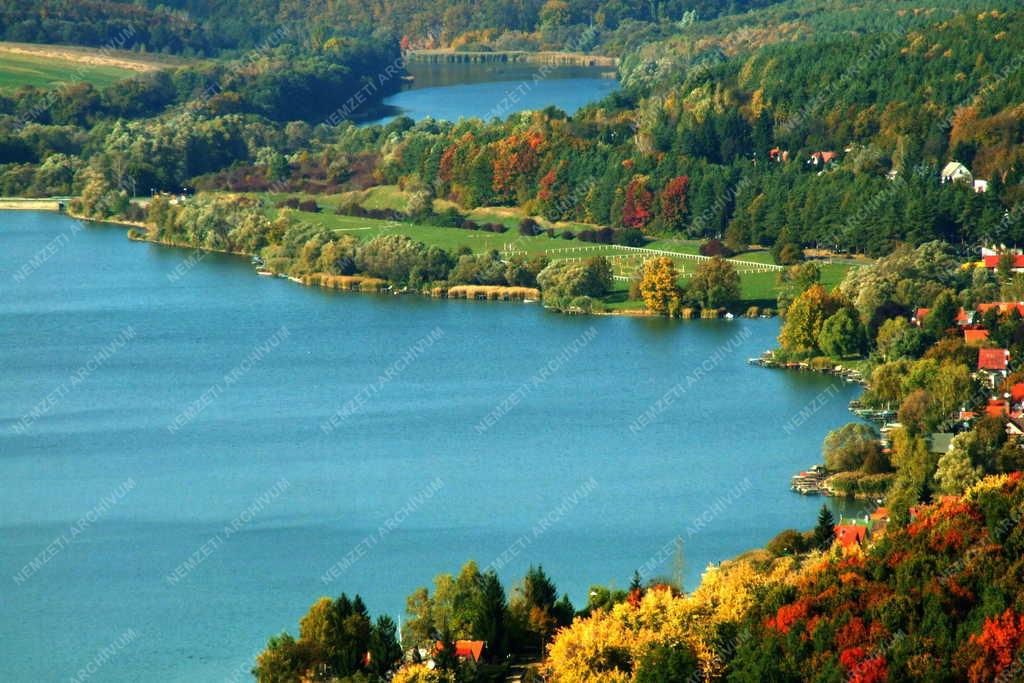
(110, 342)
(450, 92)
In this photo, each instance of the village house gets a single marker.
(822, 159)
(955, 172)
(852, 532)
(991, 261)
(993, 365)
(778, 155)
(980, 185)
(975, 337)
(962, 317)
(466, 650)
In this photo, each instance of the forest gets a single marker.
(825, 141)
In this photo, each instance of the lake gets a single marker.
(192, 454)
(454, 91)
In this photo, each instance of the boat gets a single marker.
(729, 316)
(296, 279)
(529, 301)
(264, 271)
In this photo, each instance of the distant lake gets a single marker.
(176, 398)
(454, 91)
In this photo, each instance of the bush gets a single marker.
(788, 542)
(714, 247)
(470, 225)
(568, 235)
(290, 203)
(630, 237)
(309, 206)
(529, 228)
(582, 303)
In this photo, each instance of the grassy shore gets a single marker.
(758, 286)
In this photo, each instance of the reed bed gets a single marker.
(348, 283)
(492, 292)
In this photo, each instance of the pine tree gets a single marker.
(824, 532)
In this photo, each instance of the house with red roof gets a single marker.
(997, 408)
(1003, 307)
(991, 261)
(962, 317)
(993, 360)
(467, 650)
(851, 534)
(1017, 393)
(822, 158)
(975, 337)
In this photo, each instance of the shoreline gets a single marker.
(628, 313)
(132, 225)
(450, 56)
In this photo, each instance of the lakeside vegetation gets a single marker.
(752, 138)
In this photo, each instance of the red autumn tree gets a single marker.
(673, 203)
(636, 209)
(999, 641)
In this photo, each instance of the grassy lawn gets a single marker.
(757, 288)
(47, 65)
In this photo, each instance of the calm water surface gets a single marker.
(414, 427)
(453, 91)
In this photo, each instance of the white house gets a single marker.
(956, 172)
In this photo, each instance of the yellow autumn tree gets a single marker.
(658, 285)
(611, 645)
(804, 319)
(421, 673)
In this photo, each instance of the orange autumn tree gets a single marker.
(658, 286)
(516, 159)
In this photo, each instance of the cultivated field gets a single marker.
(48, 65)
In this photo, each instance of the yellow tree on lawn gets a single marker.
(658, 285)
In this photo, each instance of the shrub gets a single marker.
(630, 237)
(528, 227)
(470, 225)
(715, 247)
(568, 235)
(309, 206)
(290, 203)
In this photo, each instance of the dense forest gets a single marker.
(209, 27)
(828, 140)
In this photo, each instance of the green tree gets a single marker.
(715, 284)
(847, 448)
(668, 664)
(824, 530)
(942, 315)
(955, 472)
(842, 335)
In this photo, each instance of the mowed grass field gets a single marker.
(45, 66)
(758, 288)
